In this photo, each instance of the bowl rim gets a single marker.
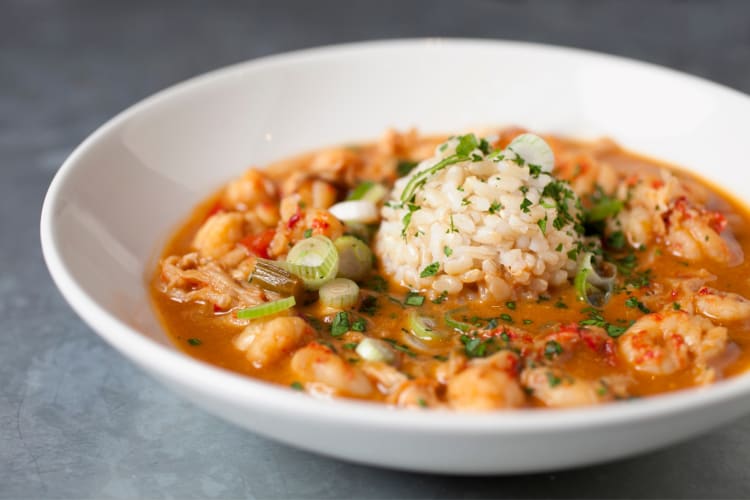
(173, 364)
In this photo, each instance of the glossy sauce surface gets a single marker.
(515, 324)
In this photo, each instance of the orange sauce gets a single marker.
(185, 321)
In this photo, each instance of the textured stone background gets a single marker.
(77, 420)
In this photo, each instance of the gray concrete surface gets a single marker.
(78, 421)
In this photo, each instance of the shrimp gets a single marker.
(319, 367)
(265, 342)
(667, 342)
(419, 393)
(487, 384)
(387, 377)
(250, 190)
(694, 233)
(557, 389)
(317, 194)
(690, 292)
(561, 345)
(584, 173)
(722, 306)
(219, 234)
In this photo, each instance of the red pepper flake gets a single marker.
(294, 219)
(657, 183)
(718, 222)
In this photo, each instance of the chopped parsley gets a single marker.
(475, 347)
(552, 349)
(369, 305)
(506, 317)
(640, 280)
(340, 324)
(194, 342)
(602, 206)
(553, 380)
(350, 345)
(676, 306)
(542, 223)
(452, 227)
(511, 305)
(406, 220)
(495, 207)
(402, 348)
(440, 298)
(430, 270)
(359, 325)
(297, 386)
(595, 318)
(616, 240)
(525, 204)
(414, 299)
(634, 303)
(308, 233)
(448, 251)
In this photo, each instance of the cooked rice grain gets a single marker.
(503, 252)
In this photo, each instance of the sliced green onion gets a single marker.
(424, 328)
(355, 258)
(315, 260)
(339, 293)
(266, 309)
(270, 275)
(421, 177)
(368, 191)
(375, 350)
(592, 287)
(356, 210)
(457, 325)
(533, 150)
(604, 208)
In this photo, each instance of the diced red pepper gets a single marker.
(258, 243)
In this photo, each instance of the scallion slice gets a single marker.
(364, 211)
(424, 328)
(368, 191)
(266, 309)
(375, 350)
(355, 258)
(339, 293)
(592, 287)
(271, 275)
(315, 260)
(533, 150)
(458, 325)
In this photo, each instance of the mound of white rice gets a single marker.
(486, 222)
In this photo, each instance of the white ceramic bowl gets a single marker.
(124, 190)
